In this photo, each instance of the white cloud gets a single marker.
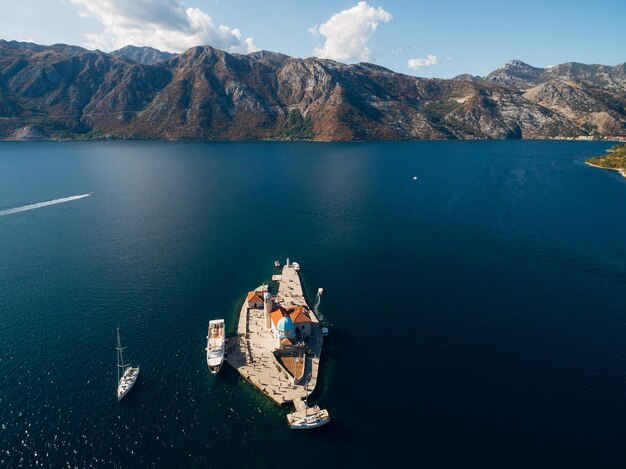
(427, 62)
(96, 41)
(349, 32)
(163, 24)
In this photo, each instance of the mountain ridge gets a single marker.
(146, 55)
(64, 91)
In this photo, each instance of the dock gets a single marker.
(252, 351)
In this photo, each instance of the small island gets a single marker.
(614, 159)
(278, 346)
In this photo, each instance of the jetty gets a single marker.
(279, 342)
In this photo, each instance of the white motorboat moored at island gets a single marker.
(129, 374)
(296, 266)
(314, 418)
(276, 263)
(320, 291)
(307, 417)
(216, 345)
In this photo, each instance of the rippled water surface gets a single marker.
(477, 314)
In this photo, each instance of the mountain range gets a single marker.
(64, 91)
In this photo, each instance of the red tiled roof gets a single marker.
(299, 315)
(255, 297)
(277, 314)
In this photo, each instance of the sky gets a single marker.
(441, 38)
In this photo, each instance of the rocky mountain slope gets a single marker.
(64, 91)
(144, 55)
(517, 72)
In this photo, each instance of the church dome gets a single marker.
(285, 326)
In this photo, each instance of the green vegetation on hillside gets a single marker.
(614, 159)
(298, 127)
(441, 109)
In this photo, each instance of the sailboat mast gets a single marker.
(117, 348)
(120, 356)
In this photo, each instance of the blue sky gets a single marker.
(425, 38)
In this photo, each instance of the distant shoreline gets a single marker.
(159, 139)
(619, 170)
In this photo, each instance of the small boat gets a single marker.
(296, 266)
(325, 331)
(312, 417)
(128, 373)
(215, 345)
(276, 263)
(320, 291)
(415, 178)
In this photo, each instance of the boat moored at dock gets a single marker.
(305, 417)
(216, 345)
(314, 417)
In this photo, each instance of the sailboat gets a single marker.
(313, 417)
(128, 373)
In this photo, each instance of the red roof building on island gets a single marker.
(255, 299)
(277, 314)
(255, 296)
(300, 315)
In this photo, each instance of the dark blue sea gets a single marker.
(477, 314)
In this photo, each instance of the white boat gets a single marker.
(305, 417)
(215, 345)
(313, 417)
(320, 291)
(296, 266)
(276, 263)
(128, 373)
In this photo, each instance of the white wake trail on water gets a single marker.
(24, 208)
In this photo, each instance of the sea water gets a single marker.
(477, 313)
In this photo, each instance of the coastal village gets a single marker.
(278, 346)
